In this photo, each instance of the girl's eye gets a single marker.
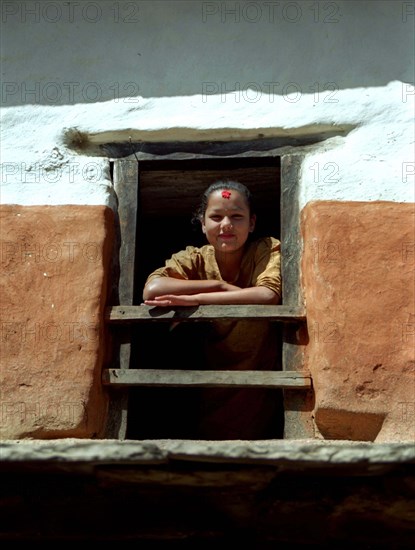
(215, 218)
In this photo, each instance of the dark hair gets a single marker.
(200, 212)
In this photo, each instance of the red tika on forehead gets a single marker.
(226, 194)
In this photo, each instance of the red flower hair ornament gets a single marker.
(226, 194)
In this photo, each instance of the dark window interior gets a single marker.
(168, 193)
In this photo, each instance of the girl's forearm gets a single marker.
(169, 285)
(252, 295)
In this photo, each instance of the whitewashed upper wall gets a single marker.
(59, 52)
(160, 70)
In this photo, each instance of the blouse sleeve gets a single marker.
(268, 265)
(182, 265)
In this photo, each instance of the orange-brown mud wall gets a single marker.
(358, 279)
(53, 289)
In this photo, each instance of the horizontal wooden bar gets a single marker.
(143, 313)
(213, 378)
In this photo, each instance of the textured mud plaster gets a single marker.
(358, 277)
(53, 289)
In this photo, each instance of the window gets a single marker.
(157, 194)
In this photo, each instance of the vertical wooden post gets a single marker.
(126, 175)
(298, 406)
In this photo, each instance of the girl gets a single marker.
(231, 269)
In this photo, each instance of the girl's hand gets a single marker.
(169, 300)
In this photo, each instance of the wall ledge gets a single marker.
(291, 453)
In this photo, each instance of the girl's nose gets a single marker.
(226, 222)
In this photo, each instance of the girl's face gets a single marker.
(227, 221)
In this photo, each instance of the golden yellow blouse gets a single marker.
(242, 413)
(260, 265)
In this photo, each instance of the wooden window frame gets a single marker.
(296, 383)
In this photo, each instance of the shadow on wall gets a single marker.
(348, 425)
(122, 51)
